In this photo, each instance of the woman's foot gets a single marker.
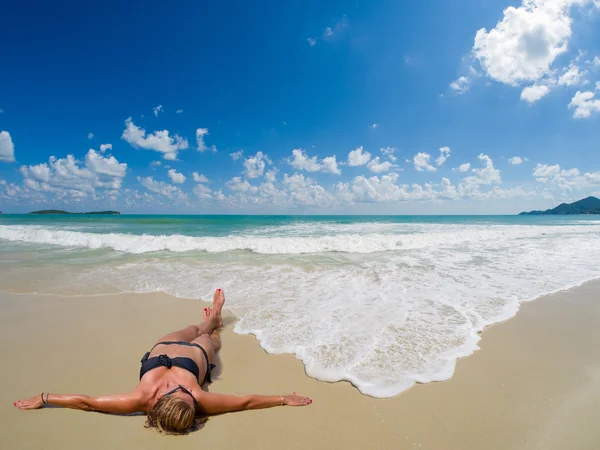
(214, 314)
(213, 320)
(218, 301)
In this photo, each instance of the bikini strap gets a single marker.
(187, 344)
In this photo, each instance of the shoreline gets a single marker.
(480, 334)
(532, 384)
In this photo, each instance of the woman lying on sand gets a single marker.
(170, 378)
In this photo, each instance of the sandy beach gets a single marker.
(535, 383)
(399, 200)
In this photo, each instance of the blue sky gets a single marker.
(299, 107)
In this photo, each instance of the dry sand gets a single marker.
(535, 383)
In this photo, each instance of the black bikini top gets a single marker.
(188, 364)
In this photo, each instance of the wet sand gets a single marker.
(535, 383)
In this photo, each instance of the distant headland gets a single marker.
(589, 205)
(60, 211)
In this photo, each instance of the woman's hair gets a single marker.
(171, 415)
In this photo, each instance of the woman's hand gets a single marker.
(296, 400)
(30, 403)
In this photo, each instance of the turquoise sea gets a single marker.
(380, 301)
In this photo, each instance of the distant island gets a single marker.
(590, 205)
(60, 211)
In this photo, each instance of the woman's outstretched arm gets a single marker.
(119, 403)
(210, 403)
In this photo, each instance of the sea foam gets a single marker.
(363, 241)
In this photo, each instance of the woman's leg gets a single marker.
(211, 322)
(211, 343)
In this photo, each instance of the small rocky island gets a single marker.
(589, 205)
(60, 211)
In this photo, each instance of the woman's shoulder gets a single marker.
(145, 393)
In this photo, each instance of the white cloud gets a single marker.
(515, 160)
(585, 104)
(422, 161)
(255, 165)
(301, 161)
(330, 165)
(162, 188)
(132, 198)
(525, 43)
(358, 157)
(270, 176)
(199, 178)
(596, 61)
(154, 164)
(469, 187)
(176, 177)
(41, 172)
(159, 141)
(156, 110)
(570, 172)
(7, 148)
(592, 178)
(389, 153)
(543, 171)
(90, 135)
(306, 192)
(597, 86)
(105, 166)
(462, 168)
(336, 29)
(104, 147)
(444, 155)
(376, 166)
(237, 155)
(461, 85)
(532, 94)
(238, 185)
(571, 77)
(269, 194)
(70, 180)
(299, 190)
(311, 41)
(385, 189)
(200, 133)
(179, 111)
(565, 179)
(373, 126)
(202, 192)
(487, 174)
